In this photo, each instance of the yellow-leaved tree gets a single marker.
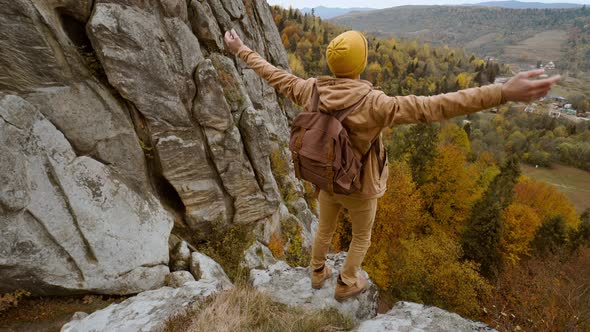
(450, 188)
(546, 201)
(519, 227)
(399, 214)
(430, 270)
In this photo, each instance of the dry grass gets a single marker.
(245, 309)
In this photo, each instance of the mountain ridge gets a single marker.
(525, 5)
(483, 30)
(331, 12)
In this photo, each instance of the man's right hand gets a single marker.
(522, 88)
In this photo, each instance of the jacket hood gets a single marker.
(339, 93)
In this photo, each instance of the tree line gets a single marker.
(396, 66)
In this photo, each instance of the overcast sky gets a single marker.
(384, 3)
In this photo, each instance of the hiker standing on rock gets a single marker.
(369, 112)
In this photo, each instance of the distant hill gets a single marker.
(533, 34)
(327, 13)
(525, 5)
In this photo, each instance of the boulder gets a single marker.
(292, 286)
(204, 268)
(148, 311)
(70, 224)
(180, 257)
(178, 278)
(258, 256)
(408, 316)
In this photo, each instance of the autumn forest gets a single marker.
(460, 227)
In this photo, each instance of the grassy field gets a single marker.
(573, 182)
(545, 46)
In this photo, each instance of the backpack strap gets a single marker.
(315, 99)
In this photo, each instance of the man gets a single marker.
(347, 58)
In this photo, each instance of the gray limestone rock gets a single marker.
(178, 278)
(186, 166)
(148, 60)
(204, 268)
(95, 123)
(204, 25)
(123, 107)
(180, 257)
(258, 256)
(414, 317)
(292, 286)
(69, 224)
(78, 315)
(148, 311)
(225, 143)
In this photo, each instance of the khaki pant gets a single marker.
(362, 214)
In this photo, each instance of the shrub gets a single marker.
(295, 254)
(429, 270)
(9, 300)
(226, 245)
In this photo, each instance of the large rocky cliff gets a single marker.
(123, 119)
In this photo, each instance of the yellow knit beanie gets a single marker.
(347, 54)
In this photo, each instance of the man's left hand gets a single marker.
(233, 41)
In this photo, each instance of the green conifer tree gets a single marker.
(421, 147)
(483, 231)
(551, 237)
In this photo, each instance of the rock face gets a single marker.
(117, 115)
(408, 316)
(292, 286)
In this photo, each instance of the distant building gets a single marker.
(550, 65)
(567, 106)
(560, 100)
(554, 114)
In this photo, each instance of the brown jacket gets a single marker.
(376, 112)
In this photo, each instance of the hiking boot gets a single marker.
(344, 292)
(319, 277)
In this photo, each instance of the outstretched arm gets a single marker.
(412, 109)
(295, 88)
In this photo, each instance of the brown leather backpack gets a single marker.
(321, 149)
